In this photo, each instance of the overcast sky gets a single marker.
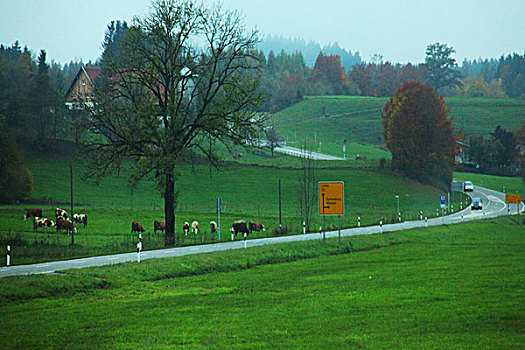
(400, 30)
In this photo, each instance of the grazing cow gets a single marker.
(358, 157)
(136, 227)
(239, 226)
(65, 225)
(42, 222)
(80, 219)
(195, 227)
(159, 226)
(186, 227)
(256, 226)
(213, 227)
(33, 213)
(60, 213)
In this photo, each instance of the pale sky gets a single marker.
(400, 30)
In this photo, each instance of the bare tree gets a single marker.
(185, 79)
(273, 137)
(307, 191)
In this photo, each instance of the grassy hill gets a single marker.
(333, 119)
(457, 286)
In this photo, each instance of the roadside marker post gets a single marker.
(358, 221)
(437, 212)
(426, 221)
(399, 216)
(304, 227)
(8, 255)
(219, 209)
(381, 225)
(339, 231)
(421, 215)
(139, 247)
(462, 219)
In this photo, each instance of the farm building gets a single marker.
(82, 89)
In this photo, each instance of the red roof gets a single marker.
(92, 73)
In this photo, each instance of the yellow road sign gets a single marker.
(331, 198)
(512, 198)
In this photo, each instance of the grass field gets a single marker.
(333, 119)
(450, 287)
(247, 192)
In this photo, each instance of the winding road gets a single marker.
(493, 206)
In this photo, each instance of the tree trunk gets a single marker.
(169, 213)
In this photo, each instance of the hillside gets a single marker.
(333, 119)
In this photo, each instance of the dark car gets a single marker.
(477, 204)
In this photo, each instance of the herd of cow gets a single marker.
(238, 226)
(64, 224)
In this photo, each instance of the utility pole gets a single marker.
(71, 178)
(280, 211)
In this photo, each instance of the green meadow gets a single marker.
(448, 287)
(247, 192)
(333, 119)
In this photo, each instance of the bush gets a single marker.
(16, 181)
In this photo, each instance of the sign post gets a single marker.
(513, 198)
(442, 200)
(331, 202)
(219, 209)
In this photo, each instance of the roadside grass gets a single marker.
(333, 119)
(247, 192)
(457, 286)
(497, 183)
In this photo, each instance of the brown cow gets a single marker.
(213, 227)
(136, 227)
(186, 228)
(256, 226)
(65, 225)
(80, 219)
(60, 213)
(42, 222)
(33, 213)
(159, 226)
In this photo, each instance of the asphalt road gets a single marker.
(297, 152)
(493, 205)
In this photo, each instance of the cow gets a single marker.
(33, 213)
(358, 157)
(195, 227)
(213, 227)
(239, 226)
(42, 222)
(80, 219)
(159, 226)
(186, 227)
(65, 225)
(136, 227)
(60, 213)
(255, 226)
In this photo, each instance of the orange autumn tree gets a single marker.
(419, 134)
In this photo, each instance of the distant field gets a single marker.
(333, 119)
(498, 183)
(451, 287)
(247, 192)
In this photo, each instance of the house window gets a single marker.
(84, 82)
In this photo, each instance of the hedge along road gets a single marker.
(493, 206)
